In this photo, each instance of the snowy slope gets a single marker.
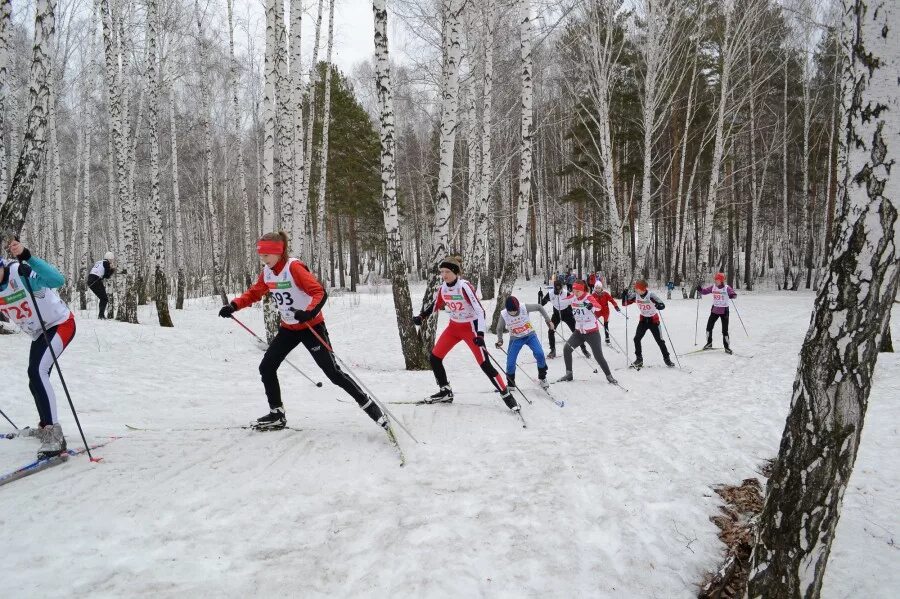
(607, 497)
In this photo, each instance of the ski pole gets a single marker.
(530, 378)
(37, 311)
(663, 321)
(626, 335)
(8, 420)
(258, 338)
(494, 360)
(697, 317)
(733, 305)
(377, 401)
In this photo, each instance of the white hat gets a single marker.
(598, 284)
(109, 256)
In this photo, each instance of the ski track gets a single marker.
(609, 496)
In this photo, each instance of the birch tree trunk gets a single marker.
(15, 208)
(300, 210)
(84, 253)
(284, 122)
(837, 360)
(5, 28)
(516, 257)
(785, 235)
(321, 229)
(681, 215)
(414, 355)
(238, 131)
(176, 205)
(59, 256)
(267, 204)
(838, 357)
(479, 253)
(313, 85)
(160, 284)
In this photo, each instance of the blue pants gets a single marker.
(515, 346)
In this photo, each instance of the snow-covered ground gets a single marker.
(609, 496)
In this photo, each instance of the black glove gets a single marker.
(699, 287)
(417, 320)
(227, 311)
(303, 315)
(24, 268)
(625, 295)
(479, 340)
(660, 306)
(25, 255)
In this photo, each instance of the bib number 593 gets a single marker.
(283, 298)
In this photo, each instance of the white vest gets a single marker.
(646, 306)
(285, 293)
(15, 302)
(457, 302)
(583, 311)
(559, 301)
(518, 325)
(98, 269)
(720, 296)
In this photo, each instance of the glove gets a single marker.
(479, 340)
(618, 310)
(24, 255)
(417, 320)
(660, 306)
(699, 287)
(625, 295)
(227, 311)
(499, 343)
(550, 325)
(303, 315)
(24, 269)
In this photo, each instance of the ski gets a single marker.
(210, 428)
(676, 368)
(46, 463)
(700, 351)
(558, 402)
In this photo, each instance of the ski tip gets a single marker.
(96, 460)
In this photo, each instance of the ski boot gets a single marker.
(668, 361)
(511, 380)
(509, 400)
(726, 344)
(708, 345)
(273, 421)
(567, 377)
(53, 442)
(608, 342)
(444, 395)
(728, 350)
(585, 351)
(611, 380)
(543, 383)
(638, 364)
(552, 354)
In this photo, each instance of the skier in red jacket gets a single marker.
(604, 298)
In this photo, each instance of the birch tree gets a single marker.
(321, 231)
(479, 253)
(300, 209)
(238, 130)
(176, 204)
(267, 205)
(313, 84)
(5, 27)
(838, 357)
(414, 354)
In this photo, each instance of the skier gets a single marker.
(562, 312)
(101, 270)
(17, 304)
(522, 333)
(585, 309)
(299, 297)
(604, 298)
(670, 287)
(467, 320)
(721, 293)
(649, 305)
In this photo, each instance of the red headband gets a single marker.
(265, 246)
(579, 286)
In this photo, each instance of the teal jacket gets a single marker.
(43, 276)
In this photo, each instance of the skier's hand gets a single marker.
(660, 306)
(499, 343)
(18, 250)
(227, 311)
(550, 325)
(417, 320)
(479, 340)
(618, 310)
(303, 315)
(24, 270)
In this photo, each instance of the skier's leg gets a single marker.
(555, 319)
(569, 318)
(535, 344)
(710, 323)
(481, 356)
(654, 330)
(283, 343)
(515, 346)
(445, 343)
(40, 364)
(575, 340)
(593, 340)
(638, 335)
(325, 360)
(726, 340)
(606, 328)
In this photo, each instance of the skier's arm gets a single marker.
(476, 307)
(656, 301)
(595, 305)
(256, 292)
(108, 270)
(628, 298)
(43, 275)
(501, 326)
(705, 290)
(545, 299)
(538, 308)
(613, 300)
(731, 292)
(308, 283)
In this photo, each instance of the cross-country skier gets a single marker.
(722, 293)
(299, 297)
(649, 306)
(604, 298)
(467, 321)
(562, 312)
(585, 309)
(102, 270)
(17, 304)
(522, 333)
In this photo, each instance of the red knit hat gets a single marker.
(641, 285)
(720, 276)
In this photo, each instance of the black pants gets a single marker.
(567, 317)
(644, 325)
(713, 317)
(284, 342)
(96, 285)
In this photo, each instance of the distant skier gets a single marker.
(299, 297)
(562, 312)
(585, 309)
(522, 333)
(101, 271)
(722, 294)
(467, 322)
(670, 287)
(17, 304)
(605, 298)
(649, 306)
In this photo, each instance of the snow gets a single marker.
(607, 497)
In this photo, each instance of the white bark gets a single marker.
(321, 232)
(285, 123)
(5, 27)
(267, 205)
(176, 200)
(238, 131)
(313, 81)
(300, 209)
(479, 254)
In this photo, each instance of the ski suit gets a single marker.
(101, 270)
(587, 330)
(649, 305)
(521, 334)
(17, 305)
(604, 298)
(721, 297)
(562, 312)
